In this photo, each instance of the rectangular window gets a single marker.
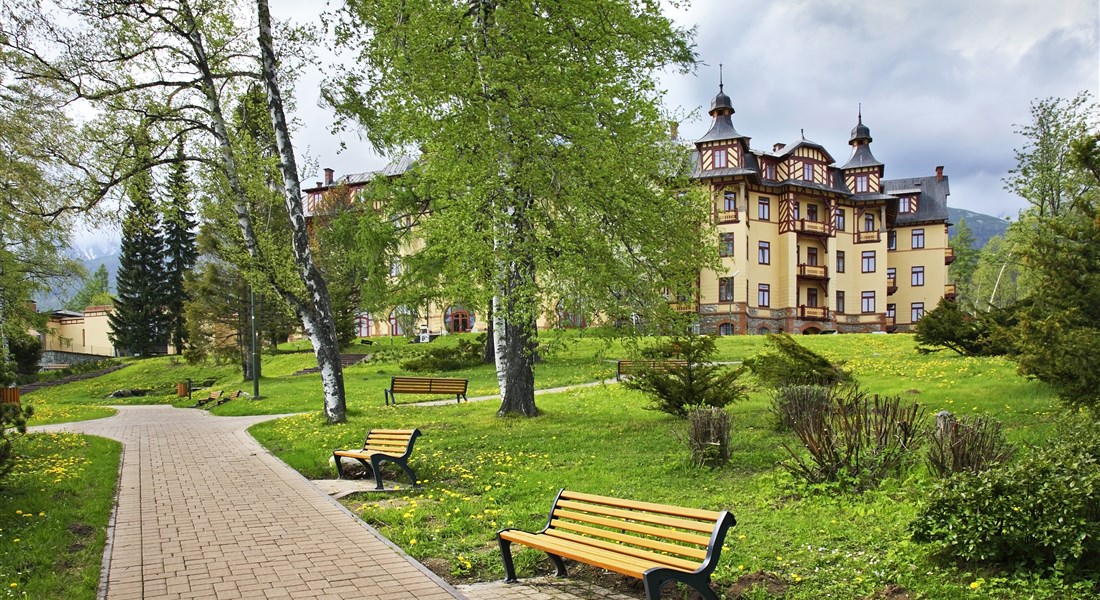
(918, 276)
(764, 209)
(764, 253)
(907, 205)
(729, 201)
(797, 210)
(811, 256)
(725, 289)
(862, 184)
(917, 311)
(811, 212)
(769, 172)
(807, 171)
(891, 310)
(868, 222)
(811, 297)
(918, 239)
(840, 219)
(839, 261)
(839, 301)
(869, 261)
(725, 244)
(891, 240)
(720, 159)
(891, 273)
(867, 303)
(764, 295)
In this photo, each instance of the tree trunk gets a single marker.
(317, 315)
(515, 369)
(515, 332)
(488, 352)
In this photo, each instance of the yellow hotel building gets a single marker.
(806, 246)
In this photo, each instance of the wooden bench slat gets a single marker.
(633, 515)
(665, 509)
(382, 445)
(604, 559)
(405, 432)
(691, 551)
(655, 557)
(636, 528)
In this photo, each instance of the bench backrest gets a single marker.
(396, 442)
(428, 385)
(214, 395)
(684, 538)
(234, 395)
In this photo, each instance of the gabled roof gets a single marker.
(804, 143)
(397, 166)
(931, 204)
(861, 157)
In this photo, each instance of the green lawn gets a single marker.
(481, 472)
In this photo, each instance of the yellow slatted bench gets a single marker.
(382, 445)
(630, 367)
(400, 384)
(214, 395)
(224, 399)
(656, 543)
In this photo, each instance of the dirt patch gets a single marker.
(769, 582)
(81, 529)
(891, 592)
(439, 566)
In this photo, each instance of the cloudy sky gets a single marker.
(941, 82)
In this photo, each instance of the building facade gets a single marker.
(807, 246)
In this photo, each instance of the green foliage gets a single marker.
(464, 355)
(26, 350)
(179, 247)
(791, 402)
(971, 444)
(855, 441)
(1041, 511)
(791, 363)
(984, 333)
(677, 388)
(966, 262)
(13, 419)
(96, 291)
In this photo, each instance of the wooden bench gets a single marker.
(426, 385)
(631, 367)
(656, 543)
(224, 399)
(214, 395)
(382, 445)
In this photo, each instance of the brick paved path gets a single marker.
(205, 512)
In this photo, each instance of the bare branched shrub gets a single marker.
(855, 441)
(971, 444)
(791, 402)
(709, 436)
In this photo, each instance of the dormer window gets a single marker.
(862, 184)
(769, 171)
(908, 204)
(807, 171)
(720, 160)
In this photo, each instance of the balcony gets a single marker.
(891, 285)
(684, 307)
(813, 271)
(811, 227)
(866, 237)
(813, 313)
(950, 292)
(948, 255)
(726, 216)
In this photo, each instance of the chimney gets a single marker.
(674, 130)
(328, 176)
(317, 184)
(939, 173)
(778, 146)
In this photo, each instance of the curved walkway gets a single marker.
(203, 511)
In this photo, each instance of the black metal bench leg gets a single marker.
(559, 565)
(376, 466)
(655, 581)
(339, 472)
(506, 558)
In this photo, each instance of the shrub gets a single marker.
(709, 436)
(12, 417)
(678, 387)
(1042, 510)
(26, 350)
(791, 363)
(790, 402)
(971, 444)
(949, 326)
(855, 441)
(464, 355)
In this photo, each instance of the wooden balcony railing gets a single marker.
(811, 227)
(726, 216)
(948, 255)
(950, 292)
(891, 285)
(866, 237)
(684, 307)
(813, 271)
(813, 313)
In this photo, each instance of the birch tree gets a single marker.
(545, 154)
(174, 65)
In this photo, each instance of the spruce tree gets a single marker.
(139, 322)
(179, 248)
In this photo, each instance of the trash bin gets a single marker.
(182, 389)
(9, 395)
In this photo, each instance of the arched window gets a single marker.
(725, 329)
(401, 320)
(362, 325)
(458, 319)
